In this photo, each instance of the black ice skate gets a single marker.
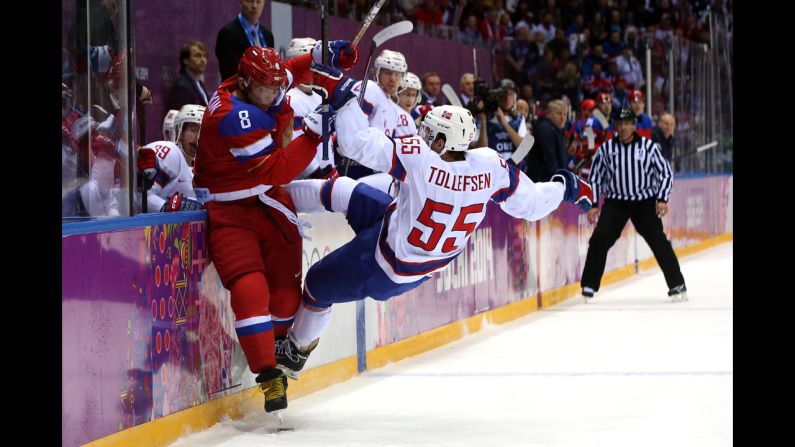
(678, 294)
(273, 384)
(290, 358)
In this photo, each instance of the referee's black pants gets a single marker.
(611, 221)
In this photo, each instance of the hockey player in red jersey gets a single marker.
(637, 102)
(245, 154)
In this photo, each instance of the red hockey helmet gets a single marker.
(588, 104)
(263, 65)
(637, 96)
(603, 97)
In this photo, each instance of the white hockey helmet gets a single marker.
(455, 123)
(168, 125)
(410, 80)
(299, 46)
(189, 113)
(391, 60)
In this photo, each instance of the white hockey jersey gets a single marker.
(174, 175)
(406, 126)
(302, 105)
(382, 112)
(439, 204)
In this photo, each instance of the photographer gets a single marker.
(496, 110)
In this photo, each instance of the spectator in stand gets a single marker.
(596, 56)
(549, 152)
(663, 135)
(189, 88)
(598, 29)
(567, 81)
(637, 102)
(466, 88)
(558, 44)
(491, 30)
(519, 62)
(665, 31)
(507, 25)
(242, 32)
(546, 27)
(615, 23)
(631, 40)
(470, 32)
(528, 20)
(577, 26)
(595, 83)
(476, 8)
(620, 93)
(662, 8)
(428, 16)
(690, 28)
(629, 68)
(409, 7)
(547, 73)
(519, 14)
(613, 46)
(432, 90)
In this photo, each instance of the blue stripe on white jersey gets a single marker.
(502, 195)
(253, 325)
(403, 268)
(397, 169)
(367, 107)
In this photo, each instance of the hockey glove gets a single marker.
(577, 190)
(178, 202)
(147, 163)
(339, 55)
(330, 83)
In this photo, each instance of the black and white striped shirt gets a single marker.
(634, 171)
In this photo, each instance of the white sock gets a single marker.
(341, 194)
(306, 195)
(308, 325)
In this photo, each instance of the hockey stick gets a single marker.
(524, 148)
(367, 21)
(324, 107)
(452, 98)
(390, 32)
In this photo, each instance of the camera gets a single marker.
(491, 98)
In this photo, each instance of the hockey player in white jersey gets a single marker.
(380, 99)
(304, 101)
(441, 201)
(408, 98)
(168, 164)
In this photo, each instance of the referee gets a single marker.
(636, 181)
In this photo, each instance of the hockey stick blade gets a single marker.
(452, 98)
(392, 31)
(367, 21)
(524, 148)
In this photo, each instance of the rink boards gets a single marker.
(149, 348)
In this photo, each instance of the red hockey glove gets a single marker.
(147, 163)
